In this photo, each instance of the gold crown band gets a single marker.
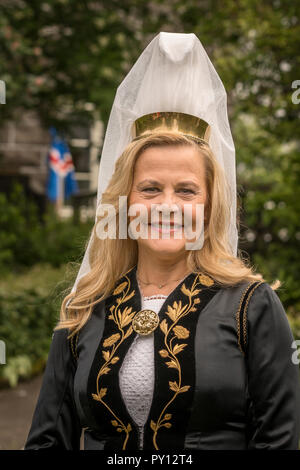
(187, 124)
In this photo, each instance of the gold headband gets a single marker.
(187, 124)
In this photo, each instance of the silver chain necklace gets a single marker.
(146, 321)
(160, 286)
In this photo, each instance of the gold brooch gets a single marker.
(145, 321)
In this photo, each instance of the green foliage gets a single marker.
(29, 308)
(64, 53)
(24, 240)
(26, 327)
(20, 232)
(295, 325)
(30, 302)
(17, 367)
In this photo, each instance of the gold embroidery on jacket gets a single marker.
(121, 319)
(238, 313)
(176, 313)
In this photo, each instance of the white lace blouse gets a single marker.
(136, 375)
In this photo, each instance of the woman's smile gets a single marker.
(165, 228)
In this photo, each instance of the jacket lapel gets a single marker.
(174, 364)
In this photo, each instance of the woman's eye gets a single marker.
(183, 190)
(190, 191)
(149, 189)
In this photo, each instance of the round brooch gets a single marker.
(145, 321)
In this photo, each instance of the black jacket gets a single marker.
(224, 375)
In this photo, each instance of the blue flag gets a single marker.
(60, 164)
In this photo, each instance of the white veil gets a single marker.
(173, 73)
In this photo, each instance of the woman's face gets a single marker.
(172, 176)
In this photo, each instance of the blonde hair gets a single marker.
(111, 258)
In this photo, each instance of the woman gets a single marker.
(202, 396)
(164, 344)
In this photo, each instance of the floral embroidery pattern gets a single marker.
(121, 319)
(122, 315)
(171, 351)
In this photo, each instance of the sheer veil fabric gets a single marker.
(173, 73)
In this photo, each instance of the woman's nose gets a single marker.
(167, 206)
(167, 198)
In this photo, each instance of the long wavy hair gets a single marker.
(111, 258)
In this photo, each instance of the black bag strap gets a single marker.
(241, 315)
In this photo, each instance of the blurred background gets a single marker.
(62, 61)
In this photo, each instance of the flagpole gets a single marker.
(60, 194)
